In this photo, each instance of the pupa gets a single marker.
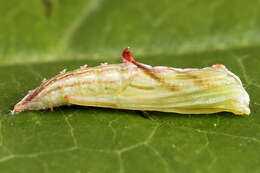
(136, 86)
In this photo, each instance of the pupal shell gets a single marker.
(136, 86)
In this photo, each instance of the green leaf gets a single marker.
(56, 29)
(88, 139)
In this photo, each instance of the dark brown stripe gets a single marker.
(141, 87)
(151, 73)
(55, 79)
(208, 82)
(75, 84)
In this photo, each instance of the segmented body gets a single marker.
(136, 86)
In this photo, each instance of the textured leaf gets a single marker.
(87, 139)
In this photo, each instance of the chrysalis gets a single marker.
(136, 86)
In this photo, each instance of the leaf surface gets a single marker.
(45, 39)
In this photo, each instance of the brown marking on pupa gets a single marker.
(197, 80)
(46, 83)
(128, 57)
(67, 75)
(74, 85)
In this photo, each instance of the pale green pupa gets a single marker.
(136, 86)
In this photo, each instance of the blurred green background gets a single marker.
(40, 30)
(39, 38)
